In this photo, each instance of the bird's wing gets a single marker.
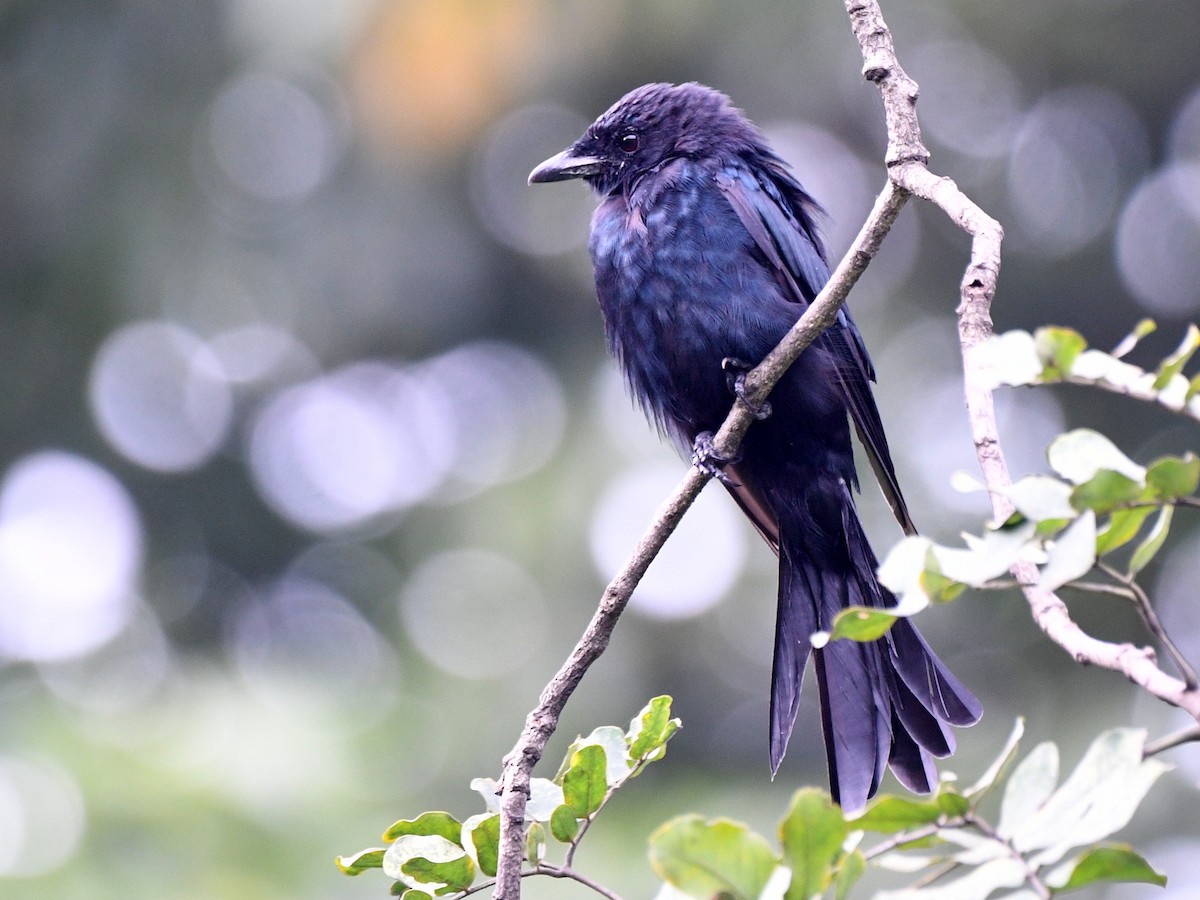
(775, 211)
(756, 509)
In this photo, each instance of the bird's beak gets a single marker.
(565, 165)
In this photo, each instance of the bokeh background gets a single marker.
(313, 466)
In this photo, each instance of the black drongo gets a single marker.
(706, 252)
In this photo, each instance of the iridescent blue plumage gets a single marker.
(705, 248)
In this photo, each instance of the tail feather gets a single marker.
(795, 621)
(927, 677)
(855, 719)
(887, 702)
(911, 763)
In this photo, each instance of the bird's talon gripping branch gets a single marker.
(736, 371)
(706, 458)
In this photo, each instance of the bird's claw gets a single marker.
(706, 458)
(735, 375)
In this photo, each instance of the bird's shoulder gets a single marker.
(781, 218)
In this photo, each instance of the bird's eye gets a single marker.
(628, 143)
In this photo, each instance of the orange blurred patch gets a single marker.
(428, 74)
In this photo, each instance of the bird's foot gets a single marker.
(735, 374)
(706, 458)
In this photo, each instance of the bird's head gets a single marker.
(648, 127)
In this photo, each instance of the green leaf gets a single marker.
(585, 784)
(414, 894)
(1078, 455)
(851, 868)
(650, 728)
(1000, 764)
(1173, 364)
(1098, 798)
(861, 623)
(1030, 785)
(564, 824)
(1094, 367)
(1057, 348)
(1193, 389)
(484, 832)
(1173, 477)
(544, 797)
(901, 569)
(986, 557)
(428, 862)
(451, 876)
(1140, 330)
(1106, 490)
(706, 859)
(889, 814)
(362, 860)
(811, 834)
(1041, 497)
(1010, 358)
(1072, 555)
(427, 823)
(535, 843)
(1147, 549)
(489, 790)
(615, 742)
(938, 588)
(951, 802)
(1120, 528)
(1110, 863)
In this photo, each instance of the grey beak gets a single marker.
(563, 166)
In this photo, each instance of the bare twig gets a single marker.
(908, 837)
(1141, 602)
(563, 871)
(1143, 391)
(1031, 875)
(1171, 741)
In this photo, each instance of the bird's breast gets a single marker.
(680, 291)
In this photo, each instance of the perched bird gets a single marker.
(706, 252)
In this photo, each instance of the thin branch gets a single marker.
(907, 837)
(1141, 602)
(1031, 875)
(1140, 390)
(933, 876)
(551, 871)
(568, 872)
(906, 157)
(1171, 741)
